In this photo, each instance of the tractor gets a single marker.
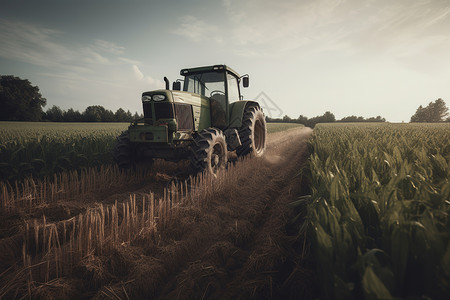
(203, 122)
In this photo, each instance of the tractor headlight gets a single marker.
(158, 97)
(146, 98)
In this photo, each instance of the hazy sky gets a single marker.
(350, 57)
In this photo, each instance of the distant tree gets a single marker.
(434, 112)
(121, 115)
(302, 120)
(327, 117)
(108, 116)
(129, 115)
(72, 115)
(377, 119)
(54, 114)
(93, 113)
(19, 100)
(137, 116)
(350, 119)
(287, 119)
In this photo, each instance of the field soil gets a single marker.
(239, 244)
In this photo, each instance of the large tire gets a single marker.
(209, 151)
(252, 132)
(123, 153)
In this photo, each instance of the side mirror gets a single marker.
(245, 82)
(176, 86)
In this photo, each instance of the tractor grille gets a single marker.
(185, 120)
(167, 110)
(148, 110)
(164, 110)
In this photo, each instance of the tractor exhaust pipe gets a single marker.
(167, 82)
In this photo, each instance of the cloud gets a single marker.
(106, 46)
(197, 30)
(31, 44)
(137, 73)
(128, 60)
(275, 27)
(77, 74)
(154, 83)
(42, 46)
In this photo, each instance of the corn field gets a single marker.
(42, 149)
(378, 213)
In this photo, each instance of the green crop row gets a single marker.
(379, 210)
(40, 149)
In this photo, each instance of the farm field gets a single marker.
(378, 213)
(107, 234)
(355, 211)
(42, 149)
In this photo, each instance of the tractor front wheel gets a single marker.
(209, 151)
(123, 151)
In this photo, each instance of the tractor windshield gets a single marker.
(205, 83)
(211, 85)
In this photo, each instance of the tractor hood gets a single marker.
(184, 110)
(174, 96)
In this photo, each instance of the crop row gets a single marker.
(42, 149)
(379, 210)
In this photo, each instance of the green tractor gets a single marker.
(203, 122)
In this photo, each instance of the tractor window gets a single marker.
(193, 85)
(205, 84)
(211, 85)
(233, 88)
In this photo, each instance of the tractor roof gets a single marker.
(189, 71)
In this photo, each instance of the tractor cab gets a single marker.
(220, 84)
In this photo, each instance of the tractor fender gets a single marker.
(237, 112)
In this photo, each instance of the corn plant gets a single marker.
(379, 210)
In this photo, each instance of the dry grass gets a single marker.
(53, 250)
(30, 193)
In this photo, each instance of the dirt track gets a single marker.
(236, 246)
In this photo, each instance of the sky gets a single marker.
(304, 57)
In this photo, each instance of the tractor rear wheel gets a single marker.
(252, 132)
(123, 151)
(209, 151)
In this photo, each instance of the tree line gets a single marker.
(21, 101)
(93, 113)
(434, 112)
(327, 117)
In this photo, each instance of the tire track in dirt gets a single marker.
(234, 247)
(253, 256)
